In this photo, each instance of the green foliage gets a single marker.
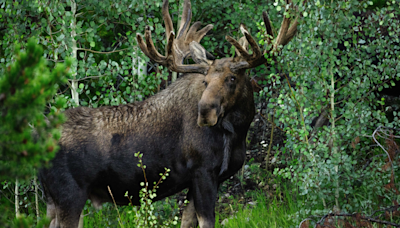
(104, 217)
(265, 211)
(29, 138)
(27, 222)
(226, 17)
(343, 55)
(28, 127)
(27, 207)
(165, 211)
(145, 216)
(100, 36)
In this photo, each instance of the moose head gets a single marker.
(224, 79)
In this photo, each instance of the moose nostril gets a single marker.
(203, 111)
(204, 108)
(214, 106)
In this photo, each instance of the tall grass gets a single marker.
(107, 217)
(276, 211)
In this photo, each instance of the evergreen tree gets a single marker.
(28, 136)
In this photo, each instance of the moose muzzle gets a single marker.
(209, 110)
(207, 116)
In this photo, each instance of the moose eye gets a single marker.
(205, 83)
(233, 78)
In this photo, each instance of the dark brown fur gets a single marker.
(98, 146)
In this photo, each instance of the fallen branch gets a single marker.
(356, 217)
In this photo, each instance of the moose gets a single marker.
(196, 127)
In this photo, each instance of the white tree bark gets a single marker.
(334, 148)
(138, 65)
(16, 199)
(74, 55)
(36, 198)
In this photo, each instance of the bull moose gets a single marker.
(196, 128)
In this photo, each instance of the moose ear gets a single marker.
(199, 54)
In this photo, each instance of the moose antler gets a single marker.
(178, 48)
(286, 33)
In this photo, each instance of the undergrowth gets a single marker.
(264, 211)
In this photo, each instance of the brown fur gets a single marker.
(153, 113)
(97, 147)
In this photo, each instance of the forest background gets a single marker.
(325, 136)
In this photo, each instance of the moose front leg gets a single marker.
(189, 219)
(204, 190)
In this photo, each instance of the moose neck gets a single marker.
(182, 97)
(178, 102)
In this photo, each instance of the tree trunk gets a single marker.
(16, 199)
(74, 55)
(36, 198)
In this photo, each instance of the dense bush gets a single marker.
(344, 54)
(28, 136)
(29, 129)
